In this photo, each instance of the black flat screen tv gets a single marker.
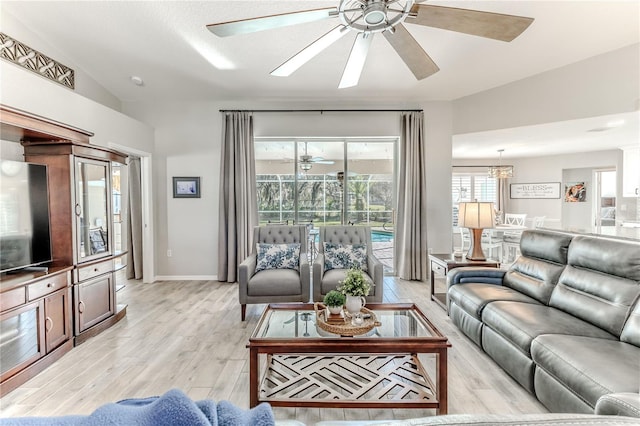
(25, 238)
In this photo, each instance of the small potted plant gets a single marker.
(334, 300)
(355, 288)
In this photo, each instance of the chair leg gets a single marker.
(243, 310)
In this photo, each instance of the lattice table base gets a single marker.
(347, 381)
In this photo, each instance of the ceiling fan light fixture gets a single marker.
(375, 13)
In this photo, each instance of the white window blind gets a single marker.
(470, 187)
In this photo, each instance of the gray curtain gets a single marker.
(134, 221)
(238, 200)
(411, 225)
(503, 198)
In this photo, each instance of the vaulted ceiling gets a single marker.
(167, 45)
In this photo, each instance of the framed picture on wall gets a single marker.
(575, 192)
(186, 187)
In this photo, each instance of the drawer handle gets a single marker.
(48, 324)
(81, 306)
(49, 285)
(95, 269)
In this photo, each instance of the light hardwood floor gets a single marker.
(188, 335)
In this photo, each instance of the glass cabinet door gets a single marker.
(92, 208)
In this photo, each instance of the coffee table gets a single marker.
(305, 366)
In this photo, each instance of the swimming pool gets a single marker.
(381, 236)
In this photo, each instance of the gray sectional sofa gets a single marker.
(563, 321)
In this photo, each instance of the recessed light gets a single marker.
(137, 80)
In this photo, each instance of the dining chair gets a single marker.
(511, 238)
(516, 219)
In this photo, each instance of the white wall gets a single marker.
(557, 168)
(85, 85)
(602, 85)
(188, 144)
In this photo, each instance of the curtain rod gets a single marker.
(321, 110)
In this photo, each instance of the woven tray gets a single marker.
(346, 329)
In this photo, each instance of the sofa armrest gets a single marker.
(245, 271)
(475, 274)
(619, 404)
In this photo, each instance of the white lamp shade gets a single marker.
(476, 215)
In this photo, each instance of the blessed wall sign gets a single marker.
(535, 190)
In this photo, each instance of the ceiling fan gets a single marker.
(307, 161)
(368, 17)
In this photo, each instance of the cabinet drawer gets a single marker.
(437, 269)
(94, 270)
(12, 298)
(46, 286)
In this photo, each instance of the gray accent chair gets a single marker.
(327, 280)
(275, 285)
(563, 321)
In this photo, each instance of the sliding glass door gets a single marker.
(329, 181)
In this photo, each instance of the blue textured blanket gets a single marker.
(174, 408)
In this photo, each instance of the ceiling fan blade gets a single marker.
(355, 63)
(418, 61)
(306, 54)
(484, 24)
(325, 162)
(244, 26)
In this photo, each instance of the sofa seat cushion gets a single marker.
(275, 282)
(520, 323)
(473, 297)
(589, 366)
(332, 278)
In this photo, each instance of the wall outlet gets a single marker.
(169, 253)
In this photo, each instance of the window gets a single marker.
(469, 187)
(329, 181)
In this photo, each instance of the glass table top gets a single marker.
(301, 323)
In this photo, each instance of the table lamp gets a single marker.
(476, 216)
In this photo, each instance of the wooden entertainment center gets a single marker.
(44, 314)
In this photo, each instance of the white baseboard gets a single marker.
(186, 278)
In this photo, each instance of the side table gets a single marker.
(441, 264)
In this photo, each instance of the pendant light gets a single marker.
(500, 171)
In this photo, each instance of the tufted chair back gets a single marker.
(345, 235)
(281, 234)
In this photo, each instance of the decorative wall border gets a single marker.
(22, 55)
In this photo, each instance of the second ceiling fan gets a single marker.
(368, 17)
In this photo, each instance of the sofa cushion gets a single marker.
(589, 366)
(277, 256)
(275, 282)
(550, 246)
(536, 272)
(600, 284)
(345, 256)
(473, 297)
(520, 323)
(533, 277)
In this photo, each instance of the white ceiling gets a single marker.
(167, 44)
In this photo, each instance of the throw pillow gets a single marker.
(277, 256)
(338, 256)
